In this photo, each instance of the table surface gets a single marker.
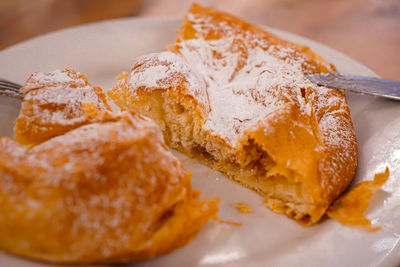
(366, 30)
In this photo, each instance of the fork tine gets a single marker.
(7, 91)
(2, 87)
(11, 94)
(11, 89)
(10, 84)
(7, 81)
(6, 87)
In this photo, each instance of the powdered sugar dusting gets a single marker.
(55, 97)
(249, 75)
(331, 111)
(239, 77)
(247, 78)
(166, 70)
(54, 78)
(101, 188)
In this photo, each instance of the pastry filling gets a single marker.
(254, 168)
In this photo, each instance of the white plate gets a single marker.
(102, 50)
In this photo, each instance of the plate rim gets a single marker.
(273, 30)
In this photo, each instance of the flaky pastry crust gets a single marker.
(109, 191)
(54, 103)
(235, 97)
(92, 186)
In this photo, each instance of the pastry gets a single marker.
(107, 191)
(350, 207)
(54, 103)
(91, 185)
(235, 97)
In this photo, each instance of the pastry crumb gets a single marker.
(217, 219)
(349, 209)
(243, 207)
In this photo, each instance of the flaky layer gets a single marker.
(104, 192)
(263, 124)
(55, 103)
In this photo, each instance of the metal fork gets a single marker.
(11, 89)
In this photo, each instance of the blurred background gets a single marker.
(366, 30)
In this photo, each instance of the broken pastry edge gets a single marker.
(349, 209)
(295, 165)
(309, 212)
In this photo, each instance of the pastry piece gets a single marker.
(349, 209)
(108, 191)
(243, 207)
(235, 96)
(54, 103)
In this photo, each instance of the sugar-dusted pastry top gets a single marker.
(257, 95)
(243, 75)
(246, 77)
(54, 103)
(250, 74)
(167, 71)
(108, 191)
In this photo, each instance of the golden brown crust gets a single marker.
(104, 192)
(313, 62)
(300, 154)
(54, 104)
(338, 162)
